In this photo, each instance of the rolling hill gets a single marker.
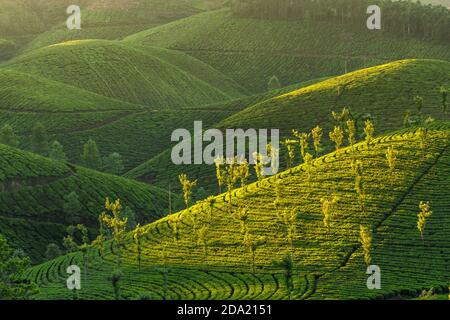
(253, 50)
(34, 24)
(32, 191)
(127, 73)
(328, 262)
(385, 92)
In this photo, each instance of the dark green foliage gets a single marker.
(53, 251)
(91, 156)
(12, 267)
(115, 278)
(72, 207)
(39, 139)
(113, 164)
(57, 152)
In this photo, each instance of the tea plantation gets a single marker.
(328, 260)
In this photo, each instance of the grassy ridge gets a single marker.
(253, 50)
(328, 263)
(32, 191)
(121, 72)
(35, 23)
(369, 91)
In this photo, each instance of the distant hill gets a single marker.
(253, 50)
(328, 262)
(126, 73)
(32, 191)
(43, 22)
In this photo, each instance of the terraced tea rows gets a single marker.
(126, 73)
(328, 262)
(32, 193)
(253, 50)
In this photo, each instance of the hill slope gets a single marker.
(32, 191)
(253, 50)
(385, 92)
(328, 262)
(34, 24)
(125, 73)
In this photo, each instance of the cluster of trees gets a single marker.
(40, 143)
(398, 17)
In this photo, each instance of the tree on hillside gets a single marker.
(422, 133)
(365, 238)
(202, 239)
(274, 83)
(242, 216)
(115, 278)
(72, 207)
(220, 173)
(13, 265)
(112, 218)
(309, 165)
(391, 157)
(129, 214)
(243, 171)
(289, 219)
(113, 164)
(259, 165)
(174, 223)
(232, 177)
(351, 132)
(418, 100)
(290, 148)
(252, 244)
(287, 264)
(39, 139)
(337, 136)
(369, 130)
(8, 136)
(138, 234)
(57, 152)
(91, 156)
(328, 209)
(187, 186)
(53, 251)
(317, 137)
(302, 141)
(424, 214)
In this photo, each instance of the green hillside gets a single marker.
(328, 262)
(38, 23)
(252, 50)
(32, 192)
(125, 73)
(384, 92)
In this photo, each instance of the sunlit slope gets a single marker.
(26, 92)
(385, 92)
(32, 191)
(253, 50)
(123, 72)
(328, 262)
